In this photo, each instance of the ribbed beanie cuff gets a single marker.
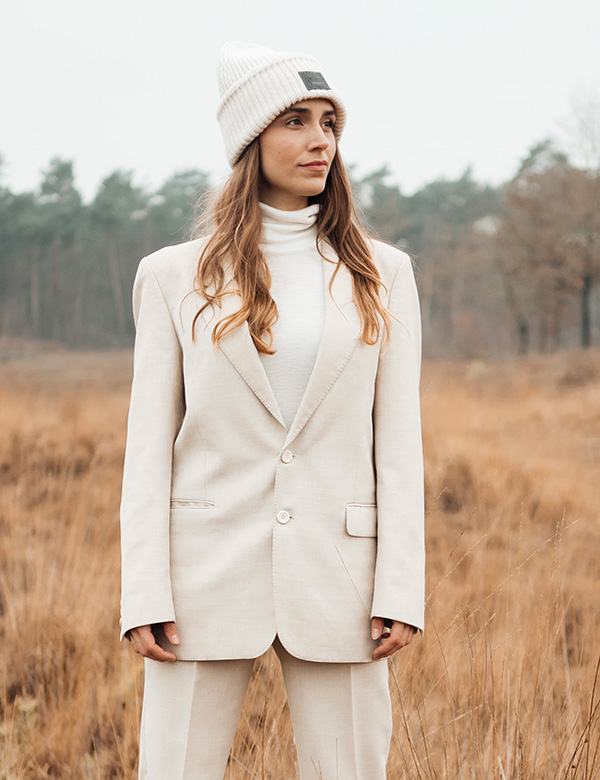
(256, 84)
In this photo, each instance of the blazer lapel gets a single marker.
(340, 337)
(241, 352)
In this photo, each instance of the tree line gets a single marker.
(501, 270)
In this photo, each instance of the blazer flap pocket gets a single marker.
(361, 519)
(191, 503)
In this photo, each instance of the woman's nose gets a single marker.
(319, 138)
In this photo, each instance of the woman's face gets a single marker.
(296, 151)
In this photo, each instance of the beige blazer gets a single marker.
(240, 529)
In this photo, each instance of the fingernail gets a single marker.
(375, 634)
(175, 639)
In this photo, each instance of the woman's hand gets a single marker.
(144, 642)
(400, 635)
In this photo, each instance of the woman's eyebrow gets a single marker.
(303, 110)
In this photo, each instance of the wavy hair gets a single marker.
(237, 233)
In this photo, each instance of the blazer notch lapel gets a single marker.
(239, 348)
(339, 340)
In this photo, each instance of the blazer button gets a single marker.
(287, 456)
(283, 517)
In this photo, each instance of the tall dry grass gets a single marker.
(504, 683)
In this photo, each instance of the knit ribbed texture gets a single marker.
(256, 84)
(290, 248)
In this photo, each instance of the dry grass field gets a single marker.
(504, 683)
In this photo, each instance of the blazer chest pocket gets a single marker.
(191, 503)
(361, 519)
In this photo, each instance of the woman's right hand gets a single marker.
(144, 642)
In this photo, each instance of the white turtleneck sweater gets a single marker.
(290, 248)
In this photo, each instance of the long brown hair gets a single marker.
(237, 221)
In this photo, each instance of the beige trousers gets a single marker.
(341, 714)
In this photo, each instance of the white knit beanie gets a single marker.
(256, 84)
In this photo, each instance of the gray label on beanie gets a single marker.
(313, 80)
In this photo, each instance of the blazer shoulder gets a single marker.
(389, 259)
(174, 267)
(171, 259)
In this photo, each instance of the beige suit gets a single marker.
(240, 529)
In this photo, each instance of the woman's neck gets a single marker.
(282, 199)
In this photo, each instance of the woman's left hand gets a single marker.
(400, 635)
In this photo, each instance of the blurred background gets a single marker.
(473, 142)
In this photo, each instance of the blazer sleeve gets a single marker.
(155, 414)
(398, 455)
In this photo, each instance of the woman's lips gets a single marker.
(319, 165)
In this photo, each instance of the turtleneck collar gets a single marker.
(289, 231)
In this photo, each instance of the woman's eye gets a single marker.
(294, 121)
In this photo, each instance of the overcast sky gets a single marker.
(431, 86)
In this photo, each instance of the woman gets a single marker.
(273, 489)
